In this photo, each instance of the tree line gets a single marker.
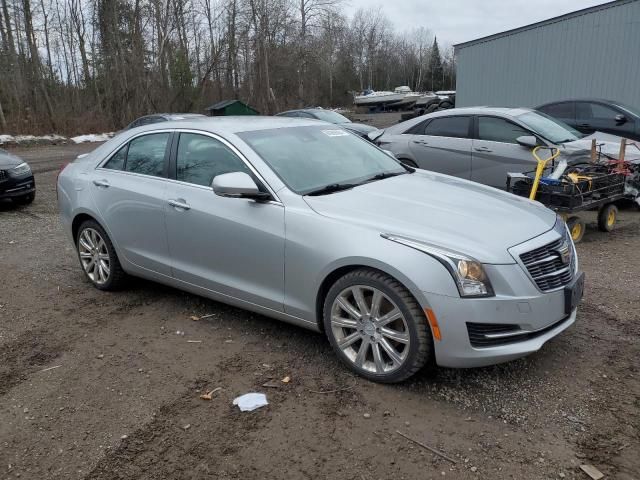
(72, 66)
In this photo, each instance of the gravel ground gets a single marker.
(98, 385)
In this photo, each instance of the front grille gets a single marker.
(546, 266)
(483, 335)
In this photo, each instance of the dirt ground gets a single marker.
(98, 385)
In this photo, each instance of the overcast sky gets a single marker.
(455, 21)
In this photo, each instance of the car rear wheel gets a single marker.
(98, 257)
(376, 327)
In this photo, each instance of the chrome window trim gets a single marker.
(215, 136)
(122, 144)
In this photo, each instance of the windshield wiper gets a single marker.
(331, 188)
(383, 175)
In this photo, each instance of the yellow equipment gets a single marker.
(542, 163)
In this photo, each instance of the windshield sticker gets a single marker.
(335, 133)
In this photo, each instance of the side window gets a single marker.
(603, 112)
(457, 127)
(583, 111)
(499, 130)
(201, 158)
(146, 154)
(116, 162)
(559, 110)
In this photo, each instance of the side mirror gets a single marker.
(237, 185)
(527, 141)
(621, 119)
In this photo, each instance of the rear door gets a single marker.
(129, 191)
(496, 151)
(563, 111)
(443, 144)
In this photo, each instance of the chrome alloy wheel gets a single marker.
(94, 256)
(370, 329)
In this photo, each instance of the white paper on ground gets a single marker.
(250, 401)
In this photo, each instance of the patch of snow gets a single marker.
(99, 137)
(31, 138)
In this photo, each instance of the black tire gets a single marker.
(26, 199)
(408, 162)
(117, 277)
(607, 217)
(576, 228)
(445, 105)
(420, 347)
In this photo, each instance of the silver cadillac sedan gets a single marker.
(304, 222)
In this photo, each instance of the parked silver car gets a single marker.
(301, 221)
(478, 144)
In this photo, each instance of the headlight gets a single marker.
(20, 169)
(468, 273)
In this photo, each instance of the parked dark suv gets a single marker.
(16, 180)
(590, 115)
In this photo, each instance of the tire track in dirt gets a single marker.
(166, 448)
(30, 352)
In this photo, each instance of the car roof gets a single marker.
(232, 124)
(581, 99)
(506, 111)
(307, 110)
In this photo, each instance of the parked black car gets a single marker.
(590, 115)
(161, 117)
(16, 180)
(330, 116)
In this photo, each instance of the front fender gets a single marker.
(317, 246)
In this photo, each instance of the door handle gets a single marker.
(421, 142)
(585, 125)
(181, 204)
(101, 183)
(482, 149)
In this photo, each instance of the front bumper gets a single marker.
(542, 316)
(11, 187)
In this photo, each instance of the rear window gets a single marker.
(457, 127)
(561, 110)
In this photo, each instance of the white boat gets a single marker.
(371, 98)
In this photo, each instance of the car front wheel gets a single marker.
(376, 327)
(98, 257)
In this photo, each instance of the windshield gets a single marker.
(550, 128)
(331, 117)
(313, 157)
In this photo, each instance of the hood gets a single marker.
(360, 128)
(460, 215)
(9, 161)
(609, 145)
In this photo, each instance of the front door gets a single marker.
(496, 152)
(232, 246)
(597, 117)
(444, 146)
(129, 192)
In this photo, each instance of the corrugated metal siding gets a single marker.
(596, 54)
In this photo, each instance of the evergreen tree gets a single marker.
(435, 67)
